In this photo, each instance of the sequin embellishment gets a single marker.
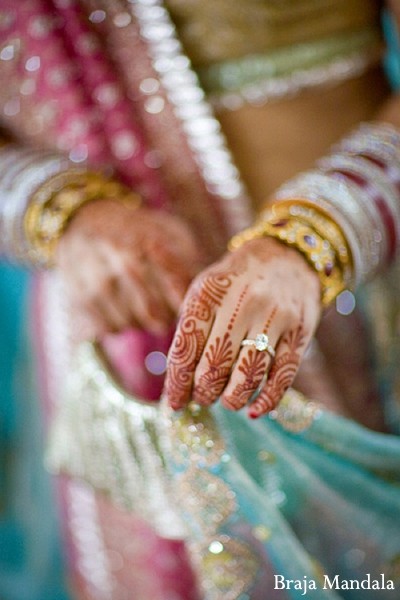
(294, 412)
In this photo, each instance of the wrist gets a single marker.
(314, 235)
(358, 186)
(55, 204)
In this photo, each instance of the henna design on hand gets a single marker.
(207, 294)
(282, 372)
(184, 356)
(219, 358)
(190, 338)
(253, 367)
(270, 318)
(237, 308)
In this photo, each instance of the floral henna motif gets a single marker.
(282, 373)
(253, 367)
(212, 382)
(220, 359)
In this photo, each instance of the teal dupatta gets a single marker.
(30, 558)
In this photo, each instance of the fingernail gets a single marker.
(174, 405)
(254, 412)
(253, 415)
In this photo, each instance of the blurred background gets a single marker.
(31, 565)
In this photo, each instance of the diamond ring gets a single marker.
(261, 343)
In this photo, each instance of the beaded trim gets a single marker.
(276, 88)
(127, 464)
(261, 77)
(199, 124)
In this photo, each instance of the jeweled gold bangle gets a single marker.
(319, 220)
(316, 249)
(52, 206)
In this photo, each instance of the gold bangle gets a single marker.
(323, 225)
(53, 205)
(316, 249)
(318, 219)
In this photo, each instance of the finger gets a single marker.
(206, 295)
(145, 301)
(216, 363)
(252, 364)
(140, 290)
(114, 311)
(249, 373)
(221, 351)
(173, 285)
(283, 370)
(187, 346)
(185, 352)
(87, 322)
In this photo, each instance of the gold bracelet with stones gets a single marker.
(322, 223)
(315, 246)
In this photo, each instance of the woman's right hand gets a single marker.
(125, 267)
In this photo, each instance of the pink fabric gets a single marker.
(91, 110)
(127, 352)
(156, 568)
(93, 117)
(136, 563)
(72, 55)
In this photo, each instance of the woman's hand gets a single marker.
(125, 267)
(263, 287)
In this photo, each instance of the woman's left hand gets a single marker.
(263, 287)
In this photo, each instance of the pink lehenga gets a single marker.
(91, 88)
(108, 85)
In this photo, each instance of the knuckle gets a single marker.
(259, 296)
(289, 313)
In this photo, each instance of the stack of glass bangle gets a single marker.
(39, 193)
(23, 171)
(358, 185)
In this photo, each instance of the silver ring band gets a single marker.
(261, 343)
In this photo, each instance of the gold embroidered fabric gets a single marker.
(218, 30)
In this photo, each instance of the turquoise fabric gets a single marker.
(326, 500)
(30, 558)
(392, 58)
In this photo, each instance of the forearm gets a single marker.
(344, 214)
(23, 172)
(39, 194)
